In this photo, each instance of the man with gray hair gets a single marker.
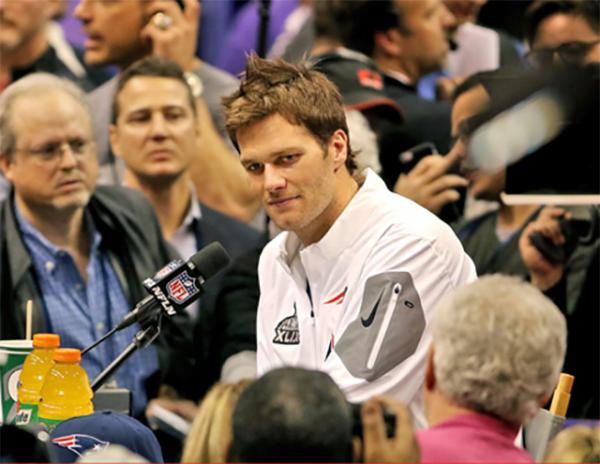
(498, 348)
(79, 253)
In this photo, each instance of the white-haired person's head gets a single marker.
(498, 348)
(33, 85)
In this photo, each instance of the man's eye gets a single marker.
(138, 119)
(173, 115)
(288, 159)
(254, 168)
(48, 151)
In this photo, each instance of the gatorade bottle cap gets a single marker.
(67, 355)
(45, 340)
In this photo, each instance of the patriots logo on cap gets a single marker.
(181, 288)
(79, 443)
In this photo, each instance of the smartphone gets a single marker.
(408, 159)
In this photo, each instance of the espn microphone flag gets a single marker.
(178, 284)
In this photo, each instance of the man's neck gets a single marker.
(408, 71)
(26, 54)
(440, 409)
(513, 217)
(171, 201)
(65, 230)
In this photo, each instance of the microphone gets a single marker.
(177, 285)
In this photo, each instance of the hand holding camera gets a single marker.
(545, 233)
(378, 445)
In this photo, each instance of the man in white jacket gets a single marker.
(350, 287)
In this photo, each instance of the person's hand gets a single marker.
(445, 87)
(544, 274)
(377, 447)
(428, 183)
(184, 408)
(174, 37)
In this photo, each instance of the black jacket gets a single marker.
(131, 234)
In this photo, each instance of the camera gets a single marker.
(577, 230)
(389, 419)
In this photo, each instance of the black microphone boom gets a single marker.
(177, 285)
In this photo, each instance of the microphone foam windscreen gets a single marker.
(210, 260)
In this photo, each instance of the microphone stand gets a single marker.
(142, 339)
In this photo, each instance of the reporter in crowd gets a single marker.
(209, 438)
(27, 45)
(292, 415)
(497, 351)
(122, 32)
(78, 251)
(583, 319)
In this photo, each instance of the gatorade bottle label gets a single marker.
(26, 414)
(49, 423)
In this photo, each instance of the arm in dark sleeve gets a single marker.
(226, 324)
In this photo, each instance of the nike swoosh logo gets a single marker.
(366, 322)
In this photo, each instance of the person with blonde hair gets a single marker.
(575, 444)
(210, 435)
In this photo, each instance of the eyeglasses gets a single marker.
(571, 53)
(52, 152)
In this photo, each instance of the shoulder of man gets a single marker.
(122, 200)
(100, 103)
(235, 236)
(129, 212)
(214, 77)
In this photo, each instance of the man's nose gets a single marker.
(449, 22)
(68, 158)
(82, 10)
(273, 179)
(158, 126)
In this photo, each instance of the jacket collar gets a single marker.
(18, 256)
(347, 228)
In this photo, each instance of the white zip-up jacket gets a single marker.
(358, 303)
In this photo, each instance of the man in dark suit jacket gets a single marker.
(155, 133)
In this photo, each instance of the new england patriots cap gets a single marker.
(73, 437)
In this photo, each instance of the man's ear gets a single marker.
(113, 134)
(430, 370)
(388, 43)
(338, 145)
(6, 166)
(544, 399)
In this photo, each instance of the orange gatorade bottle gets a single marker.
(36, 367)
(66, 392)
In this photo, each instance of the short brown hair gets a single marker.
(297, 92)
(151, 66)
(539, 10)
